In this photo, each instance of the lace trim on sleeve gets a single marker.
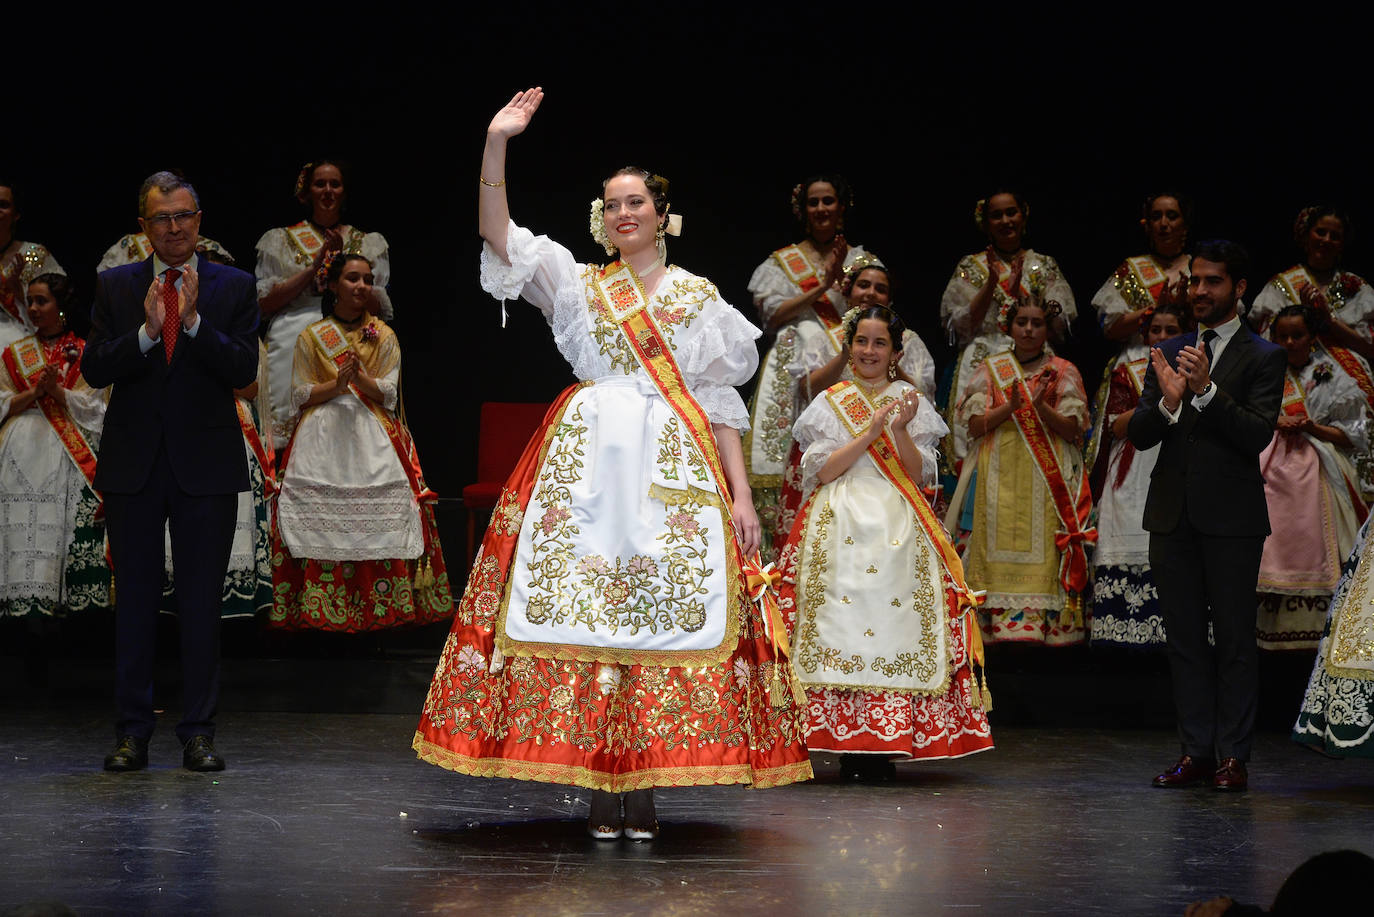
(505, 281)
(723, 405)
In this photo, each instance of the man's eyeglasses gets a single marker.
(164, 220)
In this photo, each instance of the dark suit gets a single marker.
(171, 453)
(1207, 518)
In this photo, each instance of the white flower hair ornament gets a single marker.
(598, 226)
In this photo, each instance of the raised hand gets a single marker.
(188, 296)
(907, 407)
(152, 309)
(517, 113)
(1171, 382)
(994, 273)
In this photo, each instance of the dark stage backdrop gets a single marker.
(923, 115)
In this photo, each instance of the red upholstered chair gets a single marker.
(502, 433)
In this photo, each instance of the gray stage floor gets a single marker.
(332, 814)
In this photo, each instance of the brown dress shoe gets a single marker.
(1230, 775)
(1186, 772)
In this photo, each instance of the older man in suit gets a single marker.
(174, 336)
(1211, 401)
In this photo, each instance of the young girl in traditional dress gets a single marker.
(883, 637)
(1125, 605)
(821, 358)
(607, 638)
(1310, 483)
(355, 547)
(1025, 414)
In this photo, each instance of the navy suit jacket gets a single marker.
(1209, 460)
(186, 406)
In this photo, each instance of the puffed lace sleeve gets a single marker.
(1057, 288)
(976, 398)
(1358, 310)
(87, 405)
(969, 277)
(1340, 403)
(917, 363)
(388, 373)
(720, 356)
(1109, 303)
(1072, 399)
(818, 433)
(1270, 301)
(7, 393)
(275, 262)
(770, 288)
(115, 256)
(303, 372)
(538, 269)
(376, 250)
(926, 430)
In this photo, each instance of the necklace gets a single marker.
(1028, 360)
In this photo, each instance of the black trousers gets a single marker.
(202, 534)
(1202, 578)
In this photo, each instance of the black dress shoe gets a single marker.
(199, 755)
(130, 754)
(1187, 772)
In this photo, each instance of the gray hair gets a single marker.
(166, 183)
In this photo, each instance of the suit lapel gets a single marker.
(1234, 356)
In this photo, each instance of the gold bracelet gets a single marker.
(491, 184)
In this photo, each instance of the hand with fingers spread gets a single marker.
(516, 114)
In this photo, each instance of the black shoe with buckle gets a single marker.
(130, 754)
(199, 755)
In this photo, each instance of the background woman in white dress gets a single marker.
(289, 278)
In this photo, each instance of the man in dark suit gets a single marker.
(175, 336)
(1211, 401)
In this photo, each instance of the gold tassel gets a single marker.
(986, 695)
(424, 576)
(777, 693)
(112, 592)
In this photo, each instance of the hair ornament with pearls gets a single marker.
(862, 262)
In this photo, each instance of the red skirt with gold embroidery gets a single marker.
(600, 725)
(360, 595)
(948, 725)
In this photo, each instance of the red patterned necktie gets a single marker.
(171, 314)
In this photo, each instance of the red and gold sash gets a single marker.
(1294, 401)
(308, 240)
(1356, 368)
(1072, 509)
(260, 451)
(1135, 371)
(1145, 272)
(622, 296)
(856, 411)
(798, 268)
(24, 360)
(1292, 280)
